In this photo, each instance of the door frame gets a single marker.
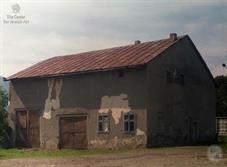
(69, 116)
(17, 111)
(27, 110)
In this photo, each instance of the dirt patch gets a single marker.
(163, 157)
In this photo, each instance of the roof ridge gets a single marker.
(116, 47)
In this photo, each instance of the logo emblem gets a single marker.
(214, 153)
(16, 8)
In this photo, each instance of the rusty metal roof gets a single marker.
(99, 60)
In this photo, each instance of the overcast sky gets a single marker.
(60, 27)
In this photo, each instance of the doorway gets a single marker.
(73, 132)
(27, 128)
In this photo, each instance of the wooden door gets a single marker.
(33, 129)
(27, 129)
(73, 132)
(194, 130)
(21, 128)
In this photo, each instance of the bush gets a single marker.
(5, 130)
(222, 139)
(221, 82)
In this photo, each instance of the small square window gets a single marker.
(169, 76)
(120, 73)
(180, 79)
(175, 77)
(129, 122)
(103, 123)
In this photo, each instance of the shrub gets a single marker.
(5, 130)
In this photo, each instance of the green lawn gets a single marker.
(20, 153)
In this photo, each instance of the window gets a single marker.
(169, 76)
(174, 77)
(120, 73)
(103, 124)
(129, 122)
(179, 79)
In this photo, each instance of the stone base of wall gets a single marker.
(116, 143)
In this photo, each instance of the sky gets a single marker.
(59, 27)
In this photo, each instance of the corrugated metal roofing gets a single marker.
(106, 59)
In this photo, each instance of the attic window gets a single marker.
(174, 77)
(169, 76)
(179, 79)
(120, 73)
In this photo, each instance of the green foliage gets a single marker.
(222, 141)
(221, 82)
(21, 153)
(5, 131)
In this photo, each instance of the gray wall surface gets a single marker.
(89, 94)
(166, 113)
(180, 114)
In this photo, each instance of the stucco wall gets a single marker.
(173, 108)
(165, 112)
(89, 94)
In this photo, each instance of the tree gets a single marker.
(5, 131)
(221, 105)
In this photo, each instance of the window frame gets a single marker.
(102, 121)
(120, 73)
(128, 122)
(178, 78)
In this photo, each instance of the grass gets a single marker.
(25, 153)
(22, 153)
(223, 142)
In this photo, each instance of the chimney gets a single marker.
(137, 42)
(173, 36)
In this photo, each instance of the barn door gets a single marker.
(21, 128)
(194, 130)
(73, 132)
(27, 129)
(33, 129)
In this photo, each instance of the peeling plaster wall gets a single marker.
(52, 103)
(89, 94)
(115, 107)
(173, 108)
(15, 101)
(163, 111)
(117, 104)
(117, 138)
(25, 94)
(116, 142)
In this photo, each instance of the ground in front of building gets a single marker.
(171, 157)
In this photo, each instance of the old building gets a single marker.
(145, 94)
